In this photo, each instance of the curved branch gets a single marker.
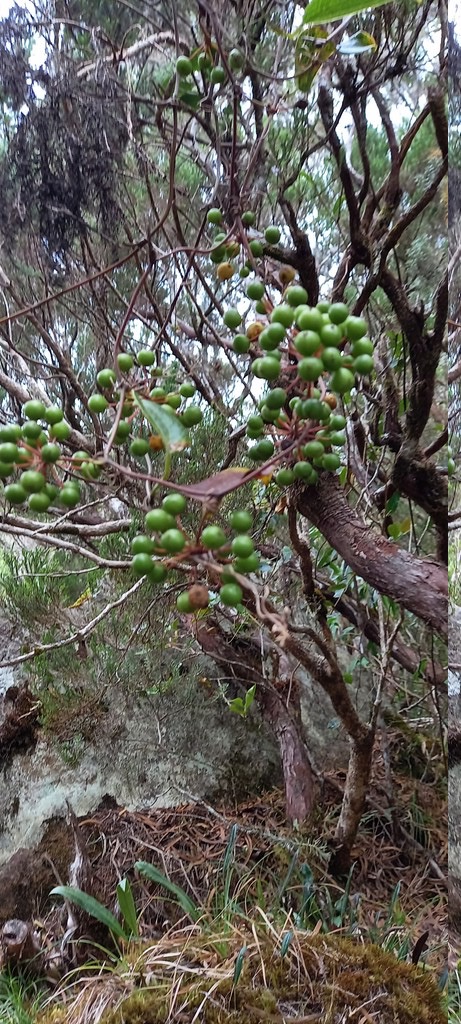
(419, 584)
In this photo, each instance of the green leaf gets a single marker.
(361, 42)
(394, 530)
(286, 943)
(90, 906)
(249, 697)
(165, 423)
(318, 12)
(127, 906)
(239, 964)
(237, 706)
(191, 99)
(153, 873)
(392, 503)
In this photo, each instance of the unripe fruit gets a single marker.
(257, 248)
(241, 344)
(192, 416)
(255, 290)
(266, 448)
(184, 67)
(363, 364)
(214, 216)
(218, 254)
(272, 235)
(269, 415)
(39, 502)
(225, 271)
(232, 318)
(105, 378)
(173, 400)
(272, 335)
(183, 603)
(15, 494)
(362, 347)
(296, 295)
(61, 431)
(173, 541)
(157, 573)
(218, 76)
(267, 369)
(123, 429)
(142, 545)
(255, 422)
(331, 335)
(97, 403)
(338, 438)
(241, 520)
(310, 320)
(338, 312)
(283, 315)
(34, 410)
(159, 520)
(213, 537)
(244, 565)
(31, 430)
(337, 422)
(8, 452)
(141, 564)
(69, 497)
(248, 218)
(187, 390)
(125, 362)
(451, 467)
(311, 409)
(6, 469)
(307, 342)
(342, 381)
(157, 392)
(242, 546)
(302, 471)
(244, 272)
(11, 432)
(50, 452)
(310, 369)
(145, 357)
(284, 477)
(276, 398)
(232, 249)
(139, 447)
(236, 60)
(331, 358)
(174, 504)
(313, 450)
(331, 461)
(53, 414)
(231, 595)
(355, 328)
(32, 481)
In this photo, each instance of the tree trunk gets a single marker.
(353, 804)
(419, 584)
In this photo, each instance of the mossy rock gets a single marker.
(325, 975)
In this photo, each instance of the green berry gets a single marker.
(53, 414)
(213, 537)
(32, 480)
(231, 595)
(255, 290)
(157, 573)
(214, 216)
(267, 368)
(173, 541)
(192, 416)
(218, 76)
(218, 254)
(309, 320)
(125, 362)
(272, 234)
(31, 430)
(338, 312)
(173, 400)
(241, 520)
(157, 392)
(123, 430)
(248, 218)
(183, 67)
(8, 452)
(338, 438)
(331, 461)
(174, 504)
(242, 546)
(283, 314)
(310, 369)
(244, 272)
(142, 544)
(39, 502)
(139, 447)
(337, 422)
(187, 390)
(159, 520)
(232, 319)
(331, 358)
(97, 403)
(50, 452)
(106, 378)
(331, 335)
(313, 450)
(236, 60)
(295, 295)
(142, 563)
(61, 431)
(145, 357)
(284, 477)
(256, 248)
(266, 448)
(302, 471)
(15, 494)
(355, 328)
(342, 380)
(69, 496)
(307, 342)
(241, 344)
(362, 347)
(6, 469)
(34, 410)
(363, 364)
(183, 603)
(244, 565)
(276, 398)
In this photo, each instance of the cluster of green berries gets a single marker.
(29, 457)
(226, 249)
(150, 553)
(204, 63)
(451, 464)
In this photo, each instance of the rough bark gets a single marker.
(353, 803)
(419, 584)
